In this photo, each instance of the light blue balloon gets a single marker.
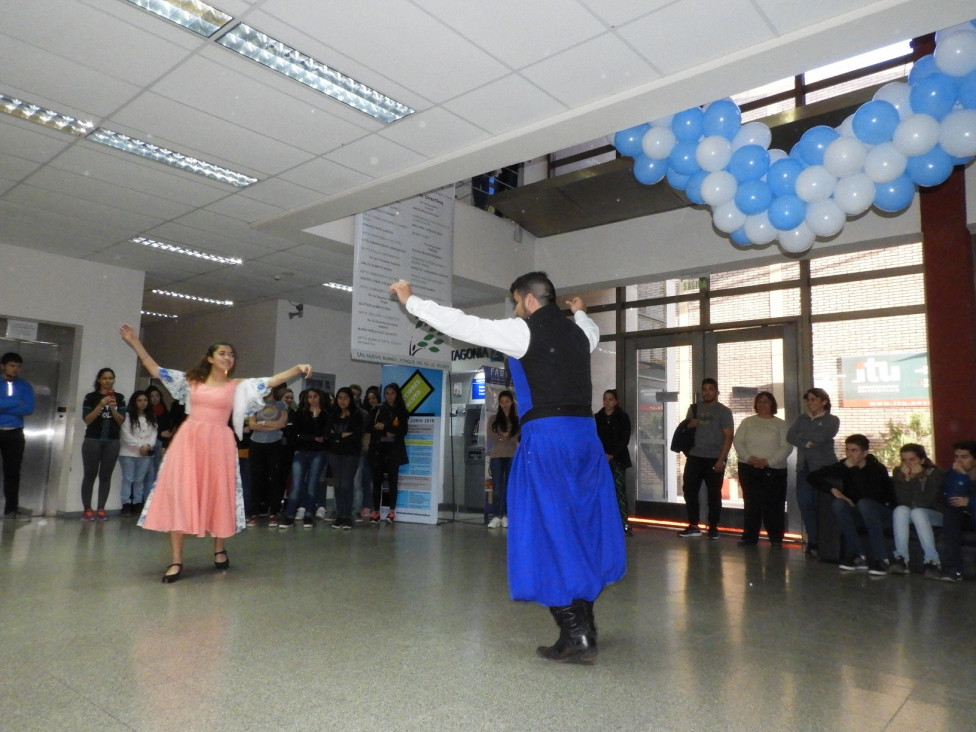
(929, 169)
(722, 118)
(875, 121)
(648, 170)
(934, 95)
(925, 66)
(782, 176)
(739, 237)
(749, 162)
(676, 179)
(693, 187)
(628, 142)
(894, 196)
(813, 143)
(682, 157)
(753, 197)
(687, 125)
(787, 212)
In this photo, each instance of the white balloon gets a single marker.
(916, 135)
(946, 33)
(759, 230)
(727, 217)
(658, 142)
(846, 128)
(896, 93)
(777, 154)
(718, 187)
(854, 194)
(958, 133)
(884, 163)
(825, 218)
(845, 156)
(815, 184)
(713, 153)
(798, 240)
(753, 133)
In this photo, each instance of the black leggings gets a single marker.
(99, 458)
(387, 462)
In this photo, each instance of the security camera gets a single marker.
(299, 310)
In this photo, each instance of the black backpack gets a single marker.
(683, 438)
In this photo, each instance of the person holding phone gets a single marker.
(103, 412)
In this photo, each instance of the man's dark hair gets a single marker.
(537, 284)
(711, 381)
(860, 440)
(967, 445)
(10, 357)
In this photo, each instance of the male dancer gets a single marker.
(564, 538)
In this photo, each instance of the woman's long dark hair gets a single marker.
(506, 423)
(336, 409)
(153, 389)
(133, 410)
(201, 371)
(398, 403)
(919, 451)
(106, 370)
(325, 403)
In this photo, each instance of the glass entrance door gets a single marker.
(665, 373)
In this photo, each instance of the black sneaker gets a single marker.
(347, 523)
(879, 568)
(284, 522)
(337, 524)
(19, 514)
(899, 567)
(692, 532)
(932, 571)
(309, 521)
(627, 530)
(854, 563)
(713, 533)
(951, 575)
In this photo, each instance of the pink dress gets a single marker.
(199, 487)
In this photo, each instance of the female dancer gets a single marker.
(504, 433)
(103, 412)
(138, 437)
(199, 489)
(387, 448)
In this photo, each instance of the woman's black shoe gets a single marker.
(224, 564)
(170, 578)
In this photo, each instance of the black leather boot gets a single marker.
(576, 643)
(587, 609)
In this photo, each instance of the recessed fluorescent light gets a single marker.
(192, 297)
(159, 315)
(46, 117)
(337, 286)
(145, 241)
(177, 160)
(296, 65)
(191, 14)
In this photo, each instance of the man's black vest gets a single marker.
(557, 366)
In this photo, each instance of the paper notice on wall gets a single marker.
(411, 240)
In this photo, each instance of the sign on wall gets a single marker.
(885, 380)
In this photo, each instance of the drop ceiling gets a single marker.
(493, 83)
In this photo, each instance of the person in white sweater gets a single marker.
(762, 448)
(138, 438)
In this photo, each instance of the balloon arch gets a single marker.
(910, 134)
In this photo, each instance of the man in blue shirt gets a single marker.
(16, 402)
(960, 497)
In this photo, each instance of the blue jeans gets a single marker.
(806, 499)
(868, 513)
(305, 469)
(924, 519)
(500, 468)
(135, 475)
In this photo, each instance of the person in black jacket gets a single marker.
(613, 429)
(387, 448)
(310, 424)
(865, 497)
(344, 442)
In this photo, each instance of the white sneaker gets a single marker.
(504, 522)
(299, 514)
(494, 523)
(320, 513)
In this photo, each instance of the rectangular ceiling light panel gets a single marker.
(175, 159)
(296, 65)
(337, 286)
(190, 14)
(163, 246)
(194, 298)
(48, 118)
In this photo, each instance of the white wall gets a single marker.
(95, 299)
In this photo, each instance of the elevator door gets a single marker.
(44, 428)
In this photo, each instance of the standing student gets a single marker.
(309, 426)
(504, 429)
(613, 429)
(344, 441)
(103, 412)
(388, 449)
(198, 491)
(16, 402)
(137, 439)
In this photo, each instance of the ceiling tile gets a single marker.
(325, 176)
(375, 156)
(31, 141)
(433, 132)
(618, 12)
(280, 193)
(788, 15)
(506, 104)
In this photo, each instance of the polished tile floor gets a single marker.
(408, 627)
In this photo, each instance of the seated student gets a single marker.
(918, 490)
(866, 497)
(960, 500)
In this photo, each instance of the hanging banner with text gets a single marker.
(420, 482)
(885, 380)
(411, 240)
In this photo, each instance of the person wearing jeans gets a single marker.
(308, 432)
(918, 488)
(103, 412)
(345, 440)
